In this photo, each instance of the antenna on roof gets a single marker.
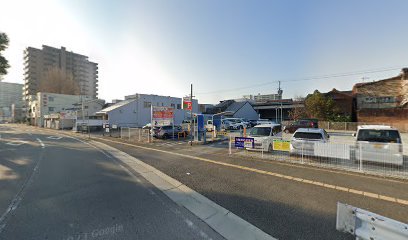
(365, 78)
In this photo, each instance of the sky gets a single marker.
(225, 48)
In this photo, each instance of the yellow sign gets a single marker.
(281, 145)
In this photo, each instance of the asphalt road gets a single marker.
(54, 187)
(282, 207)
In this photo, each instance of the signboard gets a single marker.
(162, 115)
(114, 126)
(187, 105)
(244, 142)
(281, 145)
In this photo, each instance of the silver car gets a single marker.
(165, 132)
(304, 139)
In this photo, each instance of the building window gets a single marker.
(51, 99)
(173, 105)
(85, 107)
(162, 104)
(179, 106)
(50, 109)
(147, 104)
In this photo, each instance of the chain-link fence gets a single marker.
(385, 159)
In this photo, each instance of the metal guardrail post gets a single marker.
(140, 134)
(302, 153)
(366, 225)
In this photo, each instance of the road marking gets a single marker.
(54, 137)
(16, 143)
(41, 143)
(306, 181)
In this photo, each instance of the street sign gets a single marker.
(244, 142)
(187, 105)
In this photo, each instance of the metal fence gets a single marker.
(386, 159)
(135, 134)
(352, 126)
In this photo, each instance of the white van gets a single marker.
(264, 135)
(304, 139)
(379, 143)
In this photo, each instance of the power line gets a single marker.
(306, 79)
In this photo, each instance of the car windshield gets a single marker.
(260, 131)
(308, 135)
(379, 135)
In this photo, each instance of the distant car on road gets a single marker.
(302, 123)
(303, 140)
(264, 135)
(379, 143)
(165, 132)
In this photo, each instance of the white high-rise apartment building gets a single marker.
(37, 63)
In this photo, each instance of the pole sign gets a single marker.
(200, 123)
(244, 142)
(187, 105)
(162, 116)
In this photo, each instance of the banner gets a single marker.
(244, 142)
(281, 145)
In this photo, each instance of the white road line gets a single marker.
(41, 143)
(16, 143)
(54, 137)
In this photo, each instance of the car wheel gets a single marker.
(165, 136)
(241, 127)
(270, 148)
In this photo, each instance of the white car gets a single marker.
(236, 123)
(264, 135)
(379, 143)
(304, 139)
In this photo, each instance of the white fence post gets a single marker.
(121, 132)
(302, 153)
(140, 134)
(230, 143)
(361, 156)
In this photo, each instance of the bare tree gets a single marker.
(59, 81)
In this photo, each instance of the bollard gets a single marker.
(140, 135)
(361, 157)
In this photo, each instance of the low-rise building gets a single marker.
(135, 110)
(11, 101)
(383, 101)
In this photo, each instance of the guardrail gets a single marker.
(367, 225)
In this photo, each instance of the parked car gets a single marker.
(379, 143)
(252, 123)
(265, 121)
(235, 123)
(303, 123)
(209, 127)
(165, 132)
(303, 140)
(264, 135)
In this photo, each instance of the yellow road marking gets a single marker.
(306, 181)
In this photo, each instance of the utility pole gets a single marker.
(191, 115)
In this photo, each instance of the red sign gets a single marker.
(163, 113)
(188, 105)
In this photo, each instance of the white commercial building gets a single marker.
(135, 110)
(49, 104)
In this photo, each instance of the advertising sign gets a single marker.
(244, 142)
(187, 105)
(162, 116)
(281, 145)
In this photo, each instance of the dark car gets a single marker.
(302, 123)
(167, 131)
(252, 123)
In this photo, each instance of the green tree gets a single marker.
(4, 41)
(320, 107)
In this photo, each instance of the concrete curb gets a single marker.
(226, 223)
